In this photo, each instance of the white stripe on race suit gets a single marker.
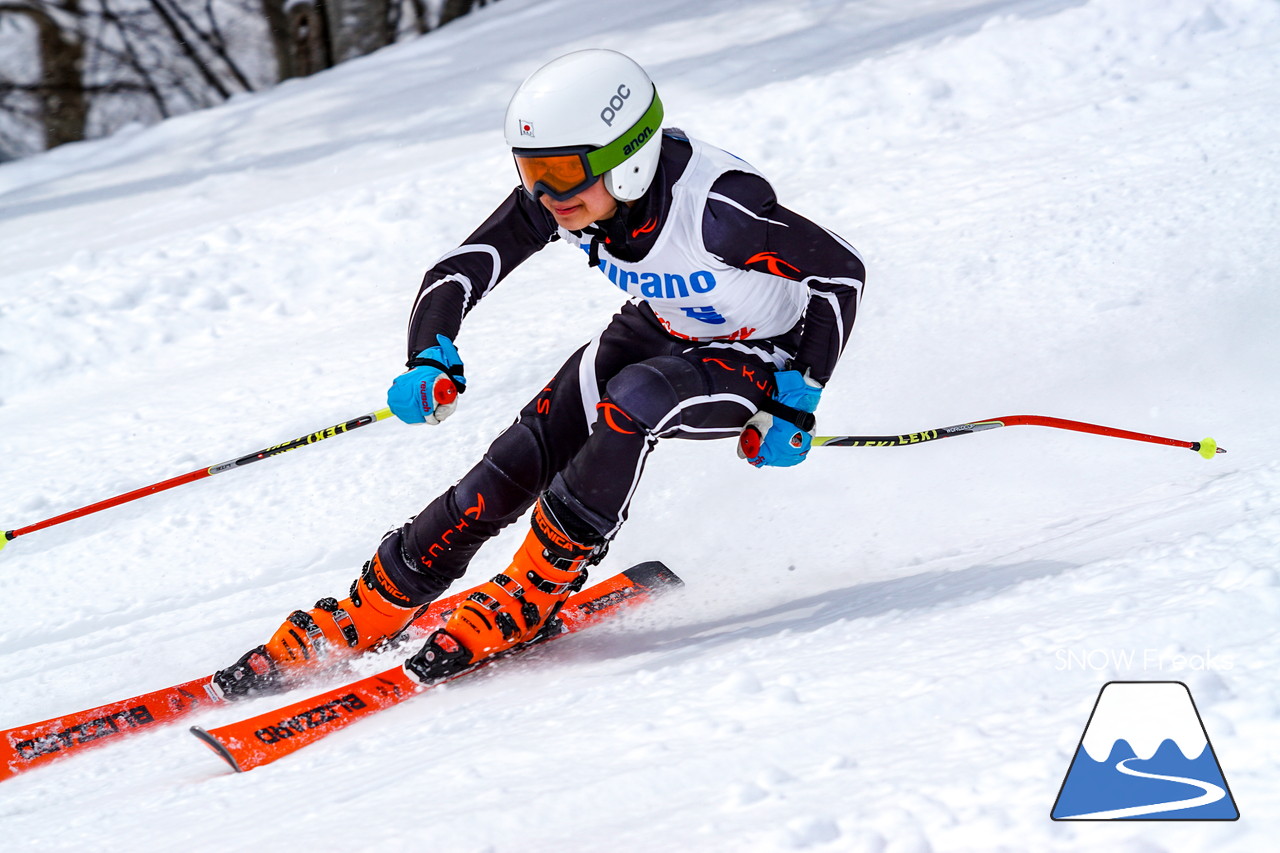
(775, 356)
(845, 243)
(726, 200)
(661, 426)
(635, 481)
(835, 310)
(456, 278)
(486, 249)
(588, 382)
(495, 269)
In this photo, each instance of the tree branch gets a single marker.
(213, 45)
(185, 46)
(131, 58)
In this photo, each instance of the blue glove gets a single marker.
(770, 440)
(428, 393)
(797, 390)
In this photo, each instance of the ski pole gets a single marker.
(201, 473)
(1205, 447)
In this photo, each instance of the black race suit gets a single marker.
(587, 432)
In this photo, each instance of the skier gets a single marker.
(737, 312)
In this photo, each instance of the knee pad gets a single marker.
(649, 392)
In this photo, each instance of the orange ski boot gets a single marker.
(516, 606)
(312, 640)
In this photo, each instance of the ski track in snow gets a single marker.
(1067, 208)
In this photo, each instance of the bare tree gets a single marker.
(97, 64)
(122, 60)
(454, 9)
(61, 102)
(359, 27)
(300, 40)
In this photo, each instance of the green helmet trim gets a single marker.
(619, 150)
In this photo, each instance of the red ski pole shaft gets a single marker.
(201, 473)
(1205, 447)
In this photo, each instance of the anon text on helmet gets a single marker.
(634, 145)
(610, 112)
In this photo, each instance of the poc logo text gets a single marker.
(619, 99)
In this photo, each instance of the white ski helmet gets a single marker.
(588, 115)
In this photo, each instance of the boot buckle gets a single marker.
(315, 637)
(347, 626)
(510, 585)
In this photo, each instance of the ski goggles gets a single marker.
(562, 173)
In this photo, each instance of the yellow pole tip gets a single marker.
(1208, 448)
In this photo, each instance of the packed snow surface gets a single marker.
(1066, 208)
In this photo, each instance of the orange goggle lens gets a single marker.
(560, 174)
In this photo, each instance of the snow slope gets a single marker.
(1067, 208)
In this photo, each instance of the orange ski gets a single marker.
(259, 740)
(36, 744)
(30, 746)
